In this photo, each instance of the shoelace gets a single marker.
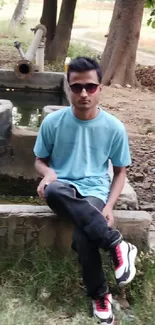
(117, 256)
(102, 302)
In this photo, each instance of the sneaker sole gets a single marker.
(101, 322)
(132, 259)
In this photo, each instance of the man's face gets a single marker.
(82, 98)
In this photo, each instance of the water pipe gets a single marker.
(24, 68)
(40, 53)
(19, 48)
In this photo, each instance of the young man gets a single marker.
(72, 151)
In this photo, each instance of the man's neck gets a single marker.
(86, 115)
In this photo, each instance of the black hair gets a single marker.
(82, 64)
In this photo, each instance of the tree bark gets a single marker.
(59, 47)
(119, 57)
(19, 12)
(49, 18)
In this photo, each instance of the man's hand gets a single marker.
(108, 215)
(48, 178)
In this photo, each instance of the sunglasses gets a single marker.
(89, 87)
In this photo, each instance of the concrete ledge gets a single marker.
(5, 105)
(49, 109)
(134, 226)
(28, 225)
(39, 80)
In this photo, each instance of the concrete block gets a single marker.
(134, 226)
(28, 225)
(38, 81)
(49, 109)
(19, 162)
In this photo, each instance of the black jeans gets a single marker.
(91, 231)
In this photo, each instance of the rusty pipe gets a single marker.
(24, 68)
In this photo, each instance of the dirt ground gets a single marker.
(136, 109)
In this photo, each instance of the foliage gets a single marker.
(151, 4)
(2, 3)
(75, 49)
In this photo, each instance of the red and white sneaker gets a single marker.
(102, 309)
(124, 256)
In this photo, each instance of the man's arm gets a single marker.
(115, 191)
(48, 175)
(43, 151)
(120, 158)
(117, 185)
(41, 166)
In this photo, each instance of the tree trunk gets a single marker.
(59, 47)
(49, 18)
(19, 12)
(119, 57)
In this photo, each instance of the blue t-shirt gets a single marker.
(79, 150)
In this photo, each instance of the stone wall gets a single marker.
(26, 226)
(17, 173)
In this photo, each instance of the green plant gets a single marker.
(77, 48)
(2, 3)
(151, 4)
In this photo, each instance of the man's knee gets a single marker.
(52, 190)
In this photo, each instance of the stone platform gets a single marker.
(27, 225)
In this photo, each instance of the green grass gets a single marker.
(76, 49)
(10, 199)
(42, 287)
